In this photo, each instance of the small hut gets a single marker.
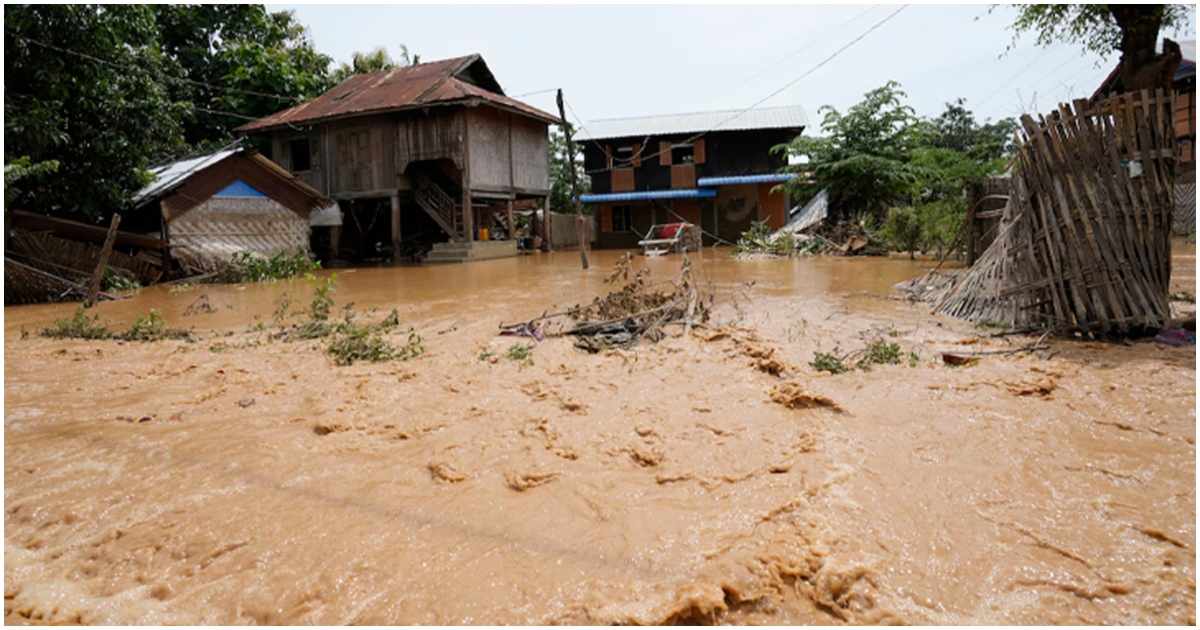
(212, 206)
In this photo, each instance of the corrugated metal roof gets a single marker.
(169, 176)
(744, 179)
(433, 83)
(792, 117)
(684, 193)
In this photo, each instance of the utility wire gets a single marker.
(820, 39)
(161, 76)
(788, 85)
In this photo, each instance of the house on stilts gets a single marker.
(433, 153)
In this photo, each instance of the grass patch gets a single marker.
(1183, 296)
(520, 353)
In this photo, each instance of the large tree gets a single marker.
(83, 89)
(232, 62)
(1132, 29)
(862, 156)
(104, 90)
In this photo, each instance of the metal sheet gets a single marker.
(691, 193)
(745, 179)
(433, 83)
(792, 117)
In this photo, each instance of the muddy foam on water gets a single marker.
(716, 478)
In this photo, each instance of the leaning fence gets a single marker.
(1084, 242)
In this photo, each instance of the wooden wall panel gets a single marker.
(698, 155)
(685, 210)
(683, 176)
(622, 179)
(488, 129)
(772, 207)
(531, 155)
(440, 134)
(605, 218)
(664, 155)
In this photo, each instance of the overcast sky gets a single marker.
(636, 60)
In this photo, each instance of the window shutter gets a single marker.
(608, 157)
(637, 155)
(698, 151)
(664, 153)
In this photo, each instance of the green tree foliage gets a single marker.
(1103, 28)
(373, 61)
(862, 158)
(97, 111)
(23, 168)
(204, 47)
(104, 90)
(560, 174)
(913, 176)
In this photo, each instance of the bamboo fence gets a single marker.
(1084, 244)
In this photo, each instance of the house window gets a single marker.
(301, 158)
(622, 157)
(682, 153)
(622, 218)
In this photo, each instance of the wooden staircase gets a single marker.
(439, 205)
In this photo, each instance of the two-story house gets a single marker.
(431, 148)
(711, 169)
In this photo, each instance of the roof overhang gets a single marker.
(769, 178)
(684, 193)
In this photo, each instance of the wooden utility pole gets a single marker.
(98, 275)
(581, 226)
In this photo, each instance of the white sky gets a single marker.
(636, 60)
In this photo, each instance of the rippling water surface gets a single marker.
(239, 479)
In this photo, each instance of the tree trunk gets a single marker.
(1141, 68)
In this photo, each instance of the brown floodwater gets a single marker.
(237, 479)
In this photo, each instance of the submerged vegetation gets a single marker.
(248, 267)
(79, 326)
(346, 340)
(878, 351)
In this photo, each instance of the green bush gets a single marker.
(78, 326)
(153, 328)
(250, 267)
(924, 227)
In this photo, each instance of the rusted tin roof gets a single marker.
(434, 83)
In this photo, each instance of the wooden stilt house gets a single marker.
(430, 152)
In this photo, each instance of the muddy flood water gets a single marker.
(241, 480)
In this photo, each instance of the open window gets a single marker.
(622, 157)
(683, 153)
(300, 156)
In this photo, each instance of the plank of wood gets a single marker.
(98, 275)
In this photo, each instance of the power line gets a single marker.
(160, 76)
(794, 53)
(1016, 75)
(788, 85)
(534, 93)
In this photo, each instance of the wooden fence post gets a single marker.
(98, 275)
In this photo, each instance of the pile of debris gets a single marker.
(636, 311)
